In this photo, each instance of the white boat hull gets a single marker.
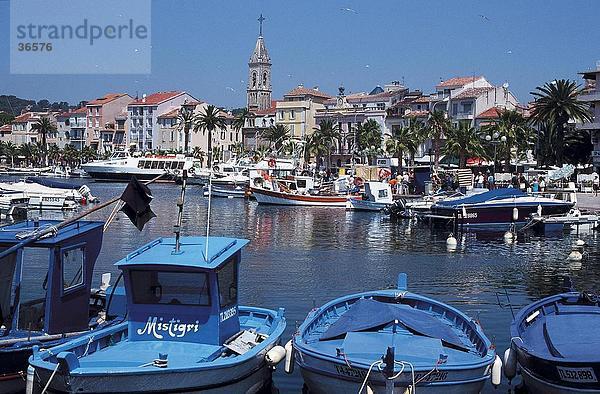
(366, 205)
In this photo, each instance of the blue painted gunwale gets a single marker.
(315, 316)
(542, 365)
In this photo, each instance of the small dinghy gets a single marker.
(555, 344)
(390, 341)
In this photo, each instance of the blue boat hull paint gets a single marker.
(540, 370)
(326, 372)
(245, 373)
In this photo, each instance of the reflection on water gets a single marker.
(300, 257)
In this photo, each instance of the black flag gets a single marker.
(137, 199)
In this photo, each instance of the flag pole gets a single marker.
(65, 223)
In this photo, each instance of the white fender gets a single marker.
(575, 255)
(510, 364)
(275, 355)
(580, 242)
(515, 214)
(30, 373)
(509, 236)
(497, 371)
(451, 241)
(289, 357)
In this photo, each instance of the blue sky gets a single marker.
(203, 47)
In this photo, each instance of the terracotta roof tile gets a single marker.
(302, 91)
(269, 111)
(458, 81)
(23, 118)
(156, 98)
(422, 99)
(472, 93)
(106, 99)
(170, 114)
(7, 128)
(492, 113)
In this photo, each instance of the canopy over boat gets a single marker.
(483, 197)
(367, 314)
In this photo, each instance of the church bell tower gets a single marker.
(259, 75)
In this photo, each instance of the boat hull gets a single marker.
(126, 175)
(269, 197)
(537, 385)
(320, 383)
(366, 205)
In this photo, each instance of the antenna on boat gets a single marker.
(180, 201)
(208, 208)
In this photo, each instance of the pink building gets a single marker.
(102, 112)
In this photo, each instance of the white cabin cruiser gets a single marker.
(122, 166)
(41, 196)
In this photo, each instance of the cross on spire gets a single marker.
(260, 20)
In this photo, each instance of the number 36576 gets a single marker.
(34, 46)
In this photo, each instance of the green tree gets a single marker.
(556, 101)
(11, 150)
(71, 155)
(518, 133)
(326, 135)
(30, 152)
(405, 139)
(185, 123)
(240, 119)
(463, 142)
(368, 136)
(6, 118)
(43, 127)
(88, 154)
(209, 121)
(276, 135)
(437, 125)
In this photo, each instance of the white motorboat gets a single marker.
(378, 196)
(13, 205)
(122, 166)
(45, 197)
(226, 191)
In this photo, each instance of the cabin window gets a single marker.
(383, 193)
(141, 164)
(154, 165)
(227, 278)
(180, 165)
(301, 183)
(147, 164)
(161, 165)
(170, 287)
(72, 267)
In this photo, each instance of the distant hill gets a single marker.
(15, 105)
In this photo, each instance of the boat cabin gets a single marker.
(183, 295)
(45, 286)
(378, 192)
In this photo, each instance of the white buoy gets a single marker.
(515, 214)
(510, 364)
(275, 355)
(497, 371)
(451, 241)
(289, 357)
(580, 242)
(575, 255)
(509, 236)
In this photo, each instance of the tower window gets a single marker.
(265, 78)
(253, 79)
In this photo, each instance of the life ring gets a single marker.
(272, 163)
(384, 173)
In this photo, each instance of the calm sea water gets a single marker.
(301, 257)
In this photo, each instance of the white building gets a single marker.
(591, 95)
(144, 130)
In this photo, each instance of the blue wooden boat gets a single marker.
(184, 330)
(555, 344)
(46, 294)
(392, 340)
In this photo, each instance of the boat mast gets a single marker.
(210, 171)
(180, 202)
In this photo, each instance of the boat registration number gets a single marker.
(349, 371)
(51, 199)
(577, 374)
(436, 376)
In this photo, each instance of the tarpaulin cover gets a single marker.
(483, 197)
(366, 314)
(50, 183)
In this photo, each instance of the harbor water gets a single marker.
(302, 257)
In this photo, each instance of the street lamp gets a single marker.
(494, 140)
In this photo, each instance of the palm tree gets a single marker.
(437, 125)
(88, 154)
(240, 120)
(30, 151)
(556, 101)
(71, 155)
(11, 150)
(326, 135)
(210, 120)
(463, 142)
(43, 127)
(53, 153)
(519, 135)
(185, 122)
(403, 139)
(369, 137)
(277, 135)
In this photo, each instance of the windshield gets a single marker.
(32, 292)
(7, 272)
(227, 277)
(170, 287)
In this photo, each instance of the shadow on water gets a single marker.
(299, 257)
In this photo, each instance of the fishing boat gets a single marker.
(495, 208)
(554, 344)
(390, 341)
(46, 294)
(121, 166)
(184, 330)
(378, 196)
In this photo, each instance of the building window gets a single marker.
(222, 135)
(230, 136)
(280, 115)
(292, 114)
(467, 108)
(292, 129)
(454, 109)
